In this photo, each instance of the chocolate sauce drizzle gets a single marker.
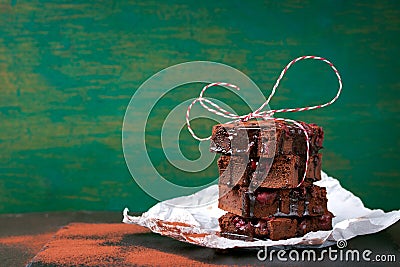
(248, 203)
(249, 198)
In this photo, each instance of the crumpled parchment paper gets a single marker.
(199, 224)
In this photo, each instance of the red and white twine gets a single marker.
(216, 109)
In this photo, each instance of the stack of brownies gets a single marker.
(261, 183)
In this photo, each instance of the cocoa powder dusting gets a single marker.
(82, 244)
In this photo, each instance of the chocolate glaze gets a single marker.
(248, 204)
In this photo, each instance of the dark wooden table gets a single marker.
(26, 235)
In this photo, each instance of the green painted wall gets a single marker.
(69, 68)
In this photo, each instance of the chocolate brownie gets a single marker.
(261, 179)
(274, 228)
(301, 201)
(265, 138)
(283, 171)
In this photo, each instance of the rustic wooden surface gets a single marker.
(69, 68)
(57, 242)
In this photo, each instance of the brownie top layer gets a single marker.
(252, 136)
(287, 127)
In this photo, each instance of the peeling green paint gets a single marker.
(69, 68)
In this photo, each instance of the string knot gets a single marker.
(249, 116)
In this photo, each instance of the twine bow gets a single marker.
(258, 113)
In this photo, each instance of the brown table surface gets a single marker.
(99, 239)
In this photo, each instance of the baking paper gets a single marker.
(199, 225)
